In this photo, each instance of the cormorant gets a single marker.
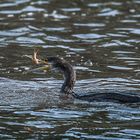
(70, 78)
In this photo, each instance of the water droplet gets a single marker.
(132, 10)
(46, 15)
(68, 55)
(88, 63)
(10, 15)
(30, 14)
(23, 15)
(73, 13)
(83, 14)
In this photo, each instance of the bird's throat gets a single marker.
(69, 79)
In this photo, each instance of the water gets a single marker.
(99, 38)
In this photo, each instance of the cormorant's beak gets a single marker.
(44, 65)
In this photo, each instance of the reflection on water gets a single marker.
(101, 40)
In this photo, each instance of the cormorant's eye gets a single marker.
(46, 60)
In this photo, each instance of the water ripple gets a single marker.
(99, 38)
(109, 12)
(89, 36)
(89, 24)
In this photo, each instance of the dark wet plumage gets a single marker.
(68, 72)
(70, 79)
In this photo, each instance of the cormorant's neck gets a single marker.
(69, 78)
(68, 73)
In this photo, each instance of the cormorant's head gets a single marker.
(49, 62)
(57, 63)
(62, 65)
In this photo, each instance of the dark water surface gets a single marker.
(101, 38)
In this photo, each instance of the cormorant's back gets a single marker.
(108, 96)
